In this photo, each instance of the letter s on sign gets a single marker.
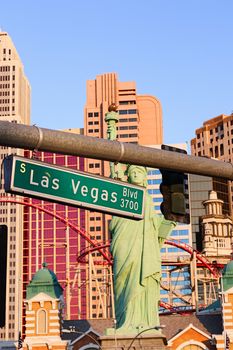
(22, 168)
(113, 197)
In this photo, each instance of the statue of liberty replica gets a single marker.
(135, 248)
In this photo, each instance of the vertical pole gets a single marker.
(229, 183)
(30, 242)
(112, 293)
(192, 280)
(105, 304)
(101, 305)
(37, 241)
(170, 287)
(195, 279)
(90, 286)
(205, 292)
(42, 233)
(54, 240)
(67, 248)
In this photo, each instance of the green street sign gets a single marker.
(32, 178)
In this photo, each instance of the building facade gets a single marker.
(217, 230)
(44, 304)
(176, 289)
(88, 282)
(215, 140)
(15, 108)
(53, 232)
(140, 122)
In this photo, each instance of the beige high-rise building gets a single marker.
(215, 140)
(140, 122)
(14, 107)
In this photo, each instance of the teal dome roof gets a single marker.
(44, 275)
(227, 276)
(44, 281)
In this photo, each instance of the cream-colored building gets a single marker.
(217, 230)
(215, 140)
(15, 108)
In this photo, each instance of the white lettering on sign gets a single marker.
(128, 200)
(45, 182)
(31, 179)
(75, 187)
(127, 192)
(94, 192)
(113, 197)
(22, 168)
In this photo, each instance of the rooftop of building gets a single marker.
(212, 123)
(173, 324)
(45, 281)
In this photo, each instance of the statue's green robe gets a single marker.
(137, 268)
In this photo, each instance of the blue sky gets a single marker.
(179, 51)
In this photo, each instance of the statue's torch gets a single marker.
(111, 118)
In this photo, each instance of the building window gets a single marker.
(221, 150)
(128, 111)
(41, 322)
(90, 115)
(193, 347)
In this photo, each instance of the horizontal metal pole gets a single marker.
(33, 137)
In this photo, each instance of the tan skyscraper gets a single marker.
(140, 122)
(14, 107)
(215, 139)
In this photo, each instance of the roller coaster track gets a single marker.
(204, 261)
(100, 247)
(178, 309)
(187, 248)
(96, 246)
(74, 227)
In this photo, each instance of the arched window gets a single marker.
(193, 347)
(41, 322)
(90, 347)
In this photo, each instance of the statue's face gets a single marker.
(137, 177)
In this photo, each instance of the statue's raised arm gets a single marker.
(112, 118)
